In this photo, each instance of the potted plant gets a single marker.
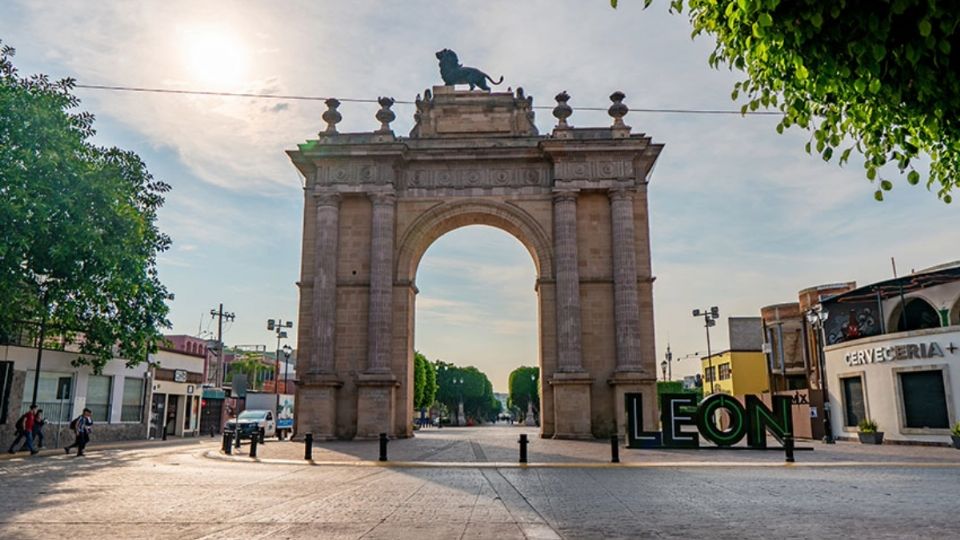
(955, 435)
(867, 432)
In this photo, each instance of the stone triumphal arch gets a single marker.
(374, 202)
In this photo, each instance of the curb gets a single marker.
(115, 445)
(217, 455)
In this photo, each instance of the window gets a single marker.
(132, 409)
(854, 409)
(918, 315)
(724, 372)
(708, 373)
(924, 399)
(98, 397)
(53, 395)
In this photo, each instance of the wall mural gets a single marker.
(851, 320)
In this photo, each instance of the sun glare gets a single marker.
(214, 56)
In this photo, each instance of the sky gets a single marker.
(741, 217)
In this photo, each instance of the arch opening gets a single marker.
(914, 314)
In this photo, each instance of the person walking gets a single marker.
(82, 426)
(38, 422)
(24, 428)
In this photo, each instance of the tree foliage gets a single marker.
(524, 383)
(424, 382)
(78, 234)
(476, 390)
(881, 78)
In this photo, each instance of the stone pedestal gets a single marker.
(628, 382)
(571, 405)
(375, 404)
(317, 407)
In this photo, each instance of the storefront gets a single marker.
(175, 409)
(908, 382)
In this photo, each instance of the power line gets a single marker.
(294, 97)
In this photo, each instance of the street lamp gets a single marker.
(530, 420)
(669, 360)
(278, 326)
(287, 350)
(709, 319)
(663, 368)
(458, 382)
(817, 317)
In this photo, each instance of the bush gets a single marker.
(955, 431)
(867, 426)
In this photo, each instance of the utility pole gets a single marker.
(221, 366)
(709, 319)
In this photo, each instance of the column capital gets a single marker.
(326, 198)
(620, 193)
(566, 195)
(382, 198)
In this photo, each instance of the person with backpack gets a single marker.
(38, 422)
(81, 425)
(24, 428)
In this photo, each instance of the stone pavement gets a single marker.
(176, 492)
(498, 444)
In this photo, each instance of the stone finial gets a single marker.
(562, 111)
(331, 116)
(385, 115)
(618, 110)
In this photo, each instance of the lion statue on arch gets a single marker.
(452, 72)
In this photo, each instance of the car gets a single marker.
(253, 422)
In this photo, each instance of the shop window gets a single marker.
(98, 397)
(708, 373)
(724, 371)
(854, 409)
(924, 399)
(53, 395)
(132, 409)
(917, 316)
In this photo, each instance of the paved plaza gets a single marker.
(183, 491)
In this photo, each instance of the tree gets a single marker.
(881, 78)
(424, 382)
(78, 234)
(430, 385)
(468, 384)
(524, 386)
(250, 364)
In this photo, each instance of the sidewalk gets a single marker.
(498, 445)
(95, 446)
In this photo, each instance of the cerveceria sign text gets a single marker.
(680, 411)
(908, 351)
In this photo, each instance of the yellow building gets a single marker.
(735, 372)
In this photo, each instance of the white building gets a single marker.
(177, 392)
(116, 397)
(893, 356)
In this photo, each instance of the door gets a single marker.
(171, 424)
(210, 416)
(156, 414)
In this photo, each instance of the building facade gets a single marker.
(741, 369)
(893, 356)
(117, 396)
(176, 402)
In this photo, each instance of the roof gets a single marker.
(937, 275)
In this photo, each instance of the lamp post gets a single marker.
(663, 369)
(530, 420)
(287, 350)
(458, 382)
(817, 317)
(709, 319)
(669, 360)
(278, 326)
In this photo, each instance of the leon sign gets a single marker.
(684, 421)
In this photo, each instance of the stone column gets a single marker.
(379, 328)
(569, 349)
(570, 383)
(625, 300)
(324, 306)
(317, 387)
(376, 386)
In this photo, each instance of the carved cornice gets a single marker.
(620, 194)
(566, 196)
(475, 177)
(383, 198)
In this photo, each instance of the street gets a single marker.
(181, 492)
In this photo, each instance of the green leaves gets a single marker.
(850, 72)
(78, 225)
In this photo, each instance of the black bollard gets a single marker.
(614, 449)
(308, 446)
(262, 438)
(213, 431)
(788, 447)
(523, 447)
(383, 446)
(164, 437)
(253, 447)
(236, 435)
(228, 442)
